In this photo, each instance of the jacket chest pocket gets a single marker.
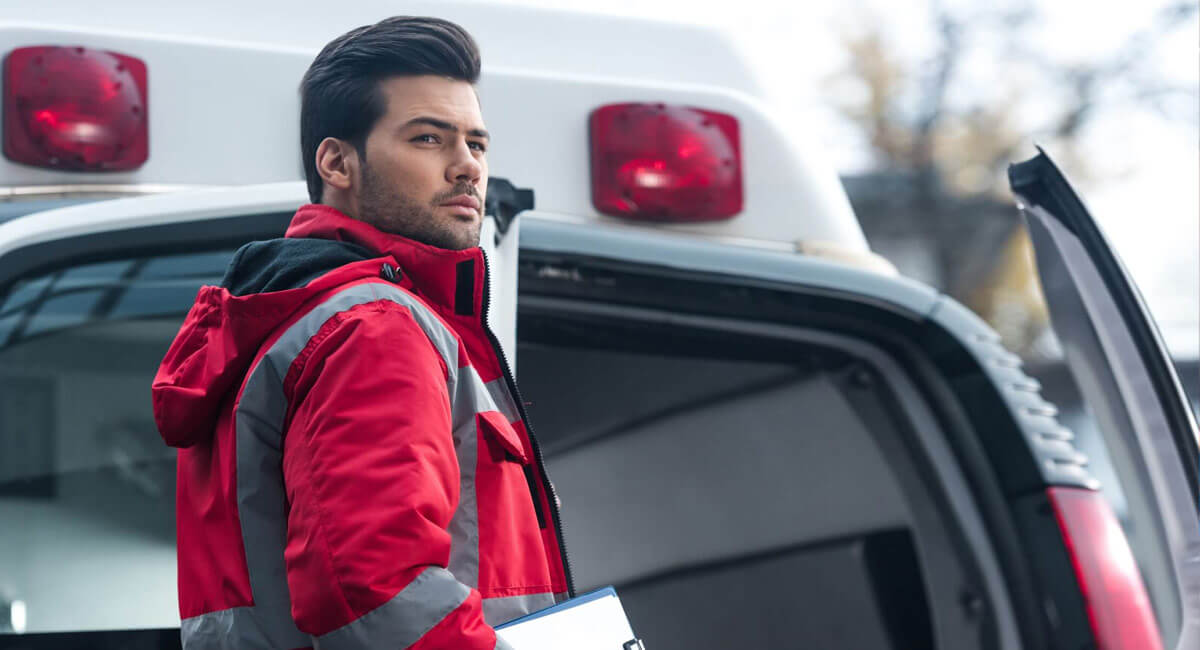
(507, 452)
(503, 443)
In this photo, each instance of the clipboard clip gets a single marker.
(635, 644)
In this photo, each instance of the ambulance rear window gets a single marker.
(81, 464)
(106, 291)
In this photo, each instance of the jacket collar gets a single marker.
(450, 279)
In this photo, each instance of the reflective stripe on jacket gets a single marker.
(354, 471)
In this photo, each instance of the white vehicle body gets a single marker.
(223, 107)
(902, 418)
(223, 101)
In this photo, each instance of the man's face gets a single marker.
(425, 172)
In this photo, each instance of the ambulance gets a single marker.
(760, 433)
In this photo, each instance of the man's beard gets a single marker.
(398, 214)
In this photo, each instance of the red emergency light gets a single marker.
(1117, 605)
(660, 162)
(75, 108)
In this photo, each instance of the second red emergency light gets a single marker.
(665, 163)
(75, 108)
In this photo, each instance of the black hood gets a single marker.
(286, 263)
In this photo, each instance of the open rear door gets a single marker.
(1118, 359)
(499, 238)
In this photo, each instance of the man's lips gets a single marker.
(463, 200)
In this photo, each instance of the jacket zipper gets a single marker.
(552, 496)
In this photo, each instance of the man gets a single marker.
(354, 468)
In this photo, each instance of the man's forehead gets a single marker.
(448, 100)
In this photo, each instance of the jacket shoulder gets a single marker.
(379, 317)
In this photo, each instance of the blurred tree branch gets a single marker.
(1088, 81)
(906, 112)
(942, 128)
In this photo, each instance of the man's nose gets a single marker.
(465, 167)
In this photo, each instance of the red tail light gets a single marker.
(665, 163)
(1118, 607)
(75, 108)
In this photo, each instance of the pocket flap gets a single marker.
(495, 426)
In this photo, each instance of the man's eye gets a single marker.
(426, 137)
(479, 146)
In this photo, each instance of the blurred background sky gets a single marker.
(922, 105)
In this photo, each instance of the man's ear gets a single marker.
(337, 163)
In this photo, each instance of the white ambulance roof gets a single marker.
(224, 106)
(549, 40)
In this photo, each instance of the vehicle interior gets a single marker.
(731, 501)
(739, 489)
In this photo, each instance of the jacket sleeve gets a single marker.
(372, 480)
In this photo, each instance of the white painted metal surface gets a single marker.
(224, 104)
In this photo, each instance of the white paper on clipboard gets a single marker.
(593, 621)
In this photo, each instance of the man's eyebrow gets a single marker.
(446, 126)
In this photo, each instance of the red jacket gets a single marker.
(354, 470)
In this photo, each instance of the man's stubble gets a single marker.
(399, 214)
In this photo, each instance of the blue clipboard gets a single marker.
(564, 605)
(630, 642)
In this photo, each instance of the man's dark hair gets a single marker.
(340, 95)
